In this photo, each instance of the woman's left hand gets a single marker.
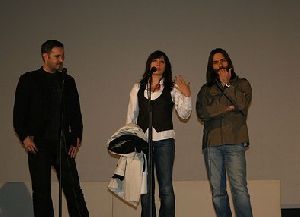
(182, 86)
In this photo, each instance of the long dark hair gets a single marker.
(167, 74)
(211, 75)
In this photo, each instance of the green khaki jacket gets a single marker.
(223, 127)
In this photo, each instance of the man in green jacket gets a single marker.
(222, 105)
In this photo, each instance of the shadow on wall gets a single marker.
(15, 200)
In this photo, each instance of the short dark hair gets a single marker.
(48, 45)
(211, 75)
(167, 75)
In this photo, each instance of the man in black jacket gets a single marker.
(47, 117)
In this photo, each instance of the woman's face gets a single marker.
(160, 65)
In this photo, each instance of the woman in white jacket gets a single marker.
(165, 94)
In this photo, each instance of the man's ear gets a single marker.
(45, 56)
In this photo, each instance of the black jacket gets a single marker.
(30, 113)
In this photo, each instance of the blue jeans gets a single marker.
(228, 159)
(163, 158)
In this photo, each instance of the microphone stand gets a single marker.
(150, 149)
(62, 143)
(62, 147)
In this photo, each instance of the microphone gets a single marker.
(149, 74)
(63, 72)
(153, 69)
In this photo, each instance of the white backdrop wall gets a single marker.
(107, 43)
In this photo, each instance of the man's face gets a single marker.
(54, 59)
(219, 62)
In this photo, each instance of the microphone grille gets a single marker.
(153, 69)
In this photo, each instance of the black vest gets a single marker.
(161, 111)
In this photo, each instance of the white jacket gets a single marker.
(130, 166)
